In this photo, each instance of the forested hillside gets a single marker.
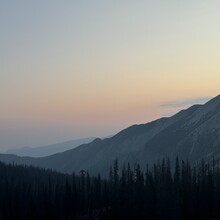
(132, 193)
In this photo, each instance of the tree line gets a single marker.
(158, 192)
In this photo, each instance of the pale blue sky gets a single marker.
(71, 69)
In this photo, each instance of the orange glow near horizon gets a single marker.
(77, 70)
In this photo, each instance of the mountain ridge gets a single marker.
(191, 134)
(50, 149)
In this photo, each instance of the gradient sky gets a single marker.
(72, 69)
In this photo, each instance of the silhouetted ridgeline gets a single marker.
(131, 193)
(191, 134)
(43, 151)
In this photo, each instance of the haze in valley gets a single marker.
(78, 69)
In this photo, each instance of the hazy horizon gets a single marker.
(76, 69)
(182, 105)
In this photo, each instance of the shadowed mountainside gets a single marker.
(191, 134)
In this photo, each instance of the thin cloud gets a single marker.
(185, 103)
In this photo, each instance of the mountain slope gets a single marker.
(191, 134)
(43, 151)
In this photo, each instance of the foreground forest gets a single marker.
(158, 192)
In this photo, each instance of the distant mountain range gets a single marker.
(191, 134)
(47, 150)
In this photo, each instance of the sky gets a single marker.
(72, 69)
